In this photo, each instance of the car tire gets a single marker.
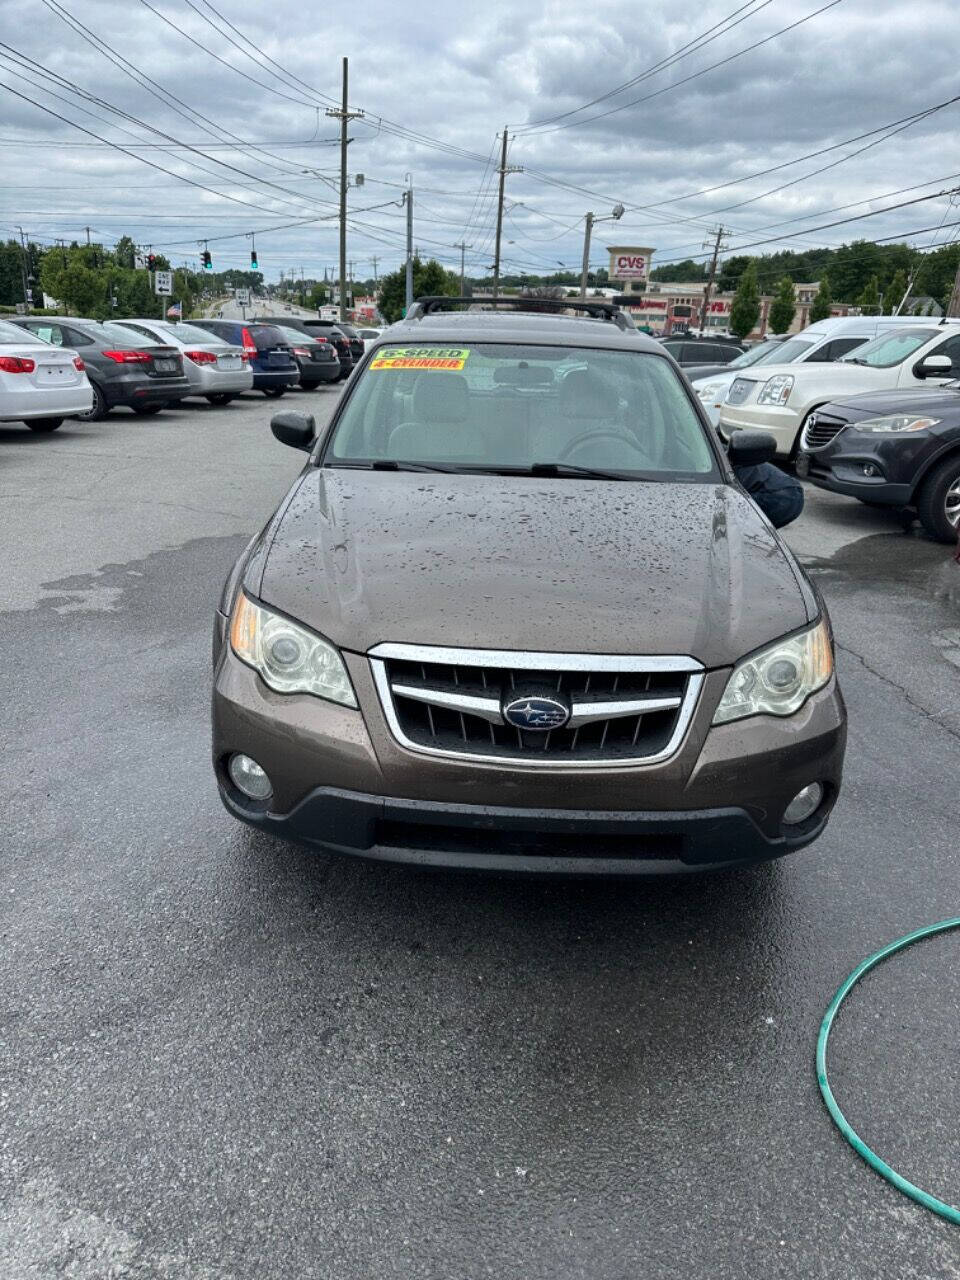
(45, 424)
(274, 392)
(220, 397)
(938, 501)
(147, 410)
(99, 408)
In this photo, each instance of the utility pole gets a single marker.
(376, 282)
(344, 115)
(87, 230)
(463, 251)
(717, 244)
(504, 170)
(23, 270)
(588, 232)
(408, 289)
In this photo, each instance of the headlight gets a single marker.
(709, 391)
(288, 657)
(776, 390)
(895, 423)
(778, 680)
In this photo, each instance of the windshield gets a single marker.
(756, 355)
(500, 406)
(787, 352)
(890, 349)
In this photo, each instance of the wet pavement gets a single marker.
(225, 1058)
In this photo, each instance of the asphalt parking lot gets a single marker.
(225, 1058)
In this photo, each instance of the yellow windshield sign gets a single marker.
(421, 358)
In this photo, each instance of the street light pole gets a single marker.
(615, 216)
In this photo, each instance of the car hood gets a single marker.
(927, 400)
(585, 566)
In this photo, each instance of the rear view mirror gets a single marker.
(751, 448)
(298, 430)
(934, 367)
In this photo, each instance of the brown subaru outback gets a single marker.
(517, 613)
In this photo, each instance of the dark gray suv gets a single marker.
(517, 613)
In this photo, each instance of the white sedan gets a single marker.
(40, 384)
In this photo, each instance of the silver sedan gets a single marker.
(217, 371)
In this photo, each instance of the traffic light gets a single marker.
(254, 264)
(151, 262)
(207, 260)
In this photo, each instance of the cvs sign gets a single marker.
(630, 266)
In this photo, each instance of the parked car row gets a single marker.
(53, 367)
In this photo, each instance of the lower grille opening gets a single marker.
(520, 843)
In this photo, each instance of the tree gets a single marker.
(822, 303)
(745, 309)
(894, 292)
(869, 300)
(429, 278)
(784, 307)
(730, 272)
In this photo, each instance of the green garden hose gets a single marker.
(873, 1160)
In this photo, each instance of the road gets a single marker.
(232, 310)
(224, 1058)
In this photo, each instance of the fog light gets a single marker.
(803, 804)
(248, 777)
(869, 469)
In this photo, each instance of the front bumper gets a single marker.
(501, 838)
(340, 781)
(845, 475)
(780, 421)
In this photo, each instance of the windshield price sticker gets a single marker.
(422, 358)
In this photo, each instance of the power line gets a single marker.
(84, 94)
(684, 51)
(686, 80)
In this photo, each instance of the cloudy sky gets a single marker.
(232, 95)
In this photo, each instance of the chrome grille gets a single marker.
(450, 702)
(739, 390)
(818, 431)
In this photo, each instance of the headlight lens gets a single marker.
(778, 680)
(709, 391)
(288, 657)
(895, 423)
(776, 390)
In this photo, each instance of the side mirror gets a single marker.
(934, 367)
(298, 430)
(751, 448)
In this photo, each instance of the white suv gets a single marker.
(821, 343)
(778, 397)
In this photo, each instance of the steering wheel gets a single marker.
(602, 433)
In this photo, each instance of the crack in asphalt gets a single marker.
(918, 706)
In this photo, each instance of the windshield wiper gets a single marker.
(568, 469)
(851, 360)
(391, 464)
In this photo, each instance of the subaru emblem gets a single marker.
(540, 714)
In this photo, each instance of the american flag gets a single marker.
(175, 312)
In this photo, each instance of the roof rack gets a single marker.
(602, 310)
